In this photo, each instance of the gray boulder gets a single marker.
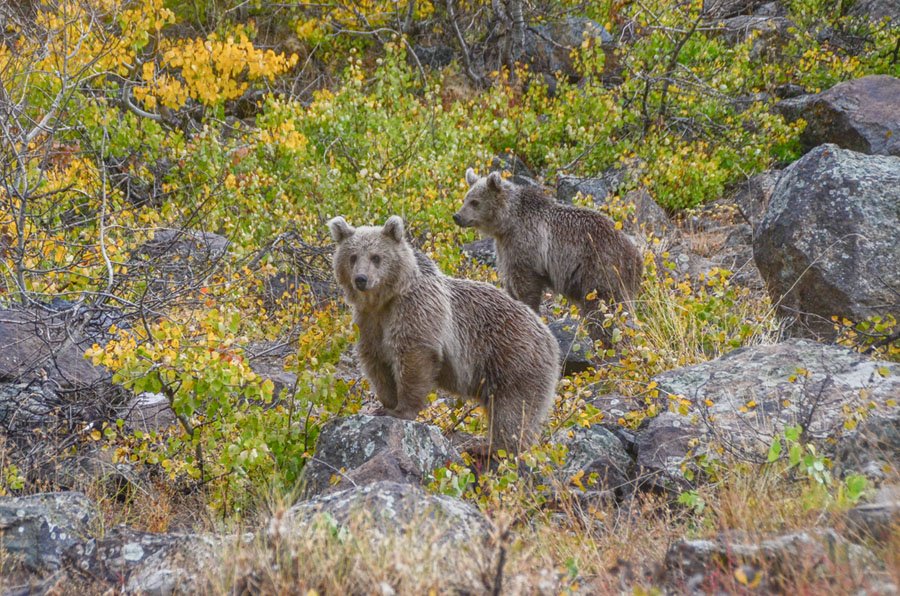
(745, 399)
(148, 412)
(38, 529)
(575, 351)
(38, 345)
(862, 115)
(770, 33)
(483, 251)
(648, 216)
(707, 566)
(512, 163)
(178, 257)
(152, 564)
(828, 242)
(877, 9)
(360, 450)
(602, 458)
(548, 47)
(878, 518)
(728, 8)
(388, 509)
(600, 187)
(752, 197)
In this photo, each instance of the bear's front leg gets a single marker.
(525, 286)
(381, 378)
(416, 374)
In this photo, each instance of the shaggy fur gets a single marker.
(542, 244)
(419, 329)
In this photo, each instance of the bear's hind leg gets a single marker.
(513, 425)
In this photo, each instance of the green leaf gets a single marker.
(792, 433)
(774, 451)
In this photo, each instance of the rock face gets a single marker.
(575, 352)
(600, 455)
(360, 450)
(753, 196)
(38, 529)
(862, 115)
(729, 8)
(828, 242)
(482, 250)
(878, 518)
(770, 33)
(700, 566)
(388, 508)
(877, 9)
(548, 47)
(176, 256)
(38, 345)
(746, 398)
(152, 564)
(512, 163)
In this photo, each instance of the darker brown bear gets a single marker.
(540, 243)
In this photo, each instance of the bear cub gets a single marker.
(420, 329)
(540, 243)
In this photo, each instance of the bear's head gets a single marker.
(486, 203)
(371, 263)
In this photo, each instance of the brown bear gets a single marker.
(540, 243)
(420, 329)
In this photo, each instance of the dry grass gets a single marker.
(548, 553)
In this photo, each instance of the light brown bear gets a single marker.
(420, 329)
(540, 243)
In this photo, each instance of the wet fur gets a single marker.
(419, 329)
(543, 244)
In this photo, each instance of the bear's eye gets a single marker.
(474, 204)
(376, 260)
(353, 259)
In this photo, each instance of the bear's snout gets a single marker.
(457, 218)
(360, 282)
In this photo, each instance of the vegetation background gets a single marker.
(255, 122)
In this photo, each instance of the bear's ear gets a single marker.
(495, 181)
(340, 229)
(471, 177)
(393, 228)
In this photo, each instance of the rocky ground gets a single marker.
(820, 237)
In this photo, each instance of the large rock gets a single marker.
(729, 8)
(877, 10)
(575, 351)
(878, 519)
(48, 344)
(389, 509)
(708, 566)
(769, 33)
(862, 115)
(601, 186)
(745, 399)
(647, 216)
(359, 450)
(483, 251)
(509, 162)
(152, 564)
(178, 257)
(37, 530)
(752, 197)
(872, 449)
(599, 456)
(828, 242)
(548, 47)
